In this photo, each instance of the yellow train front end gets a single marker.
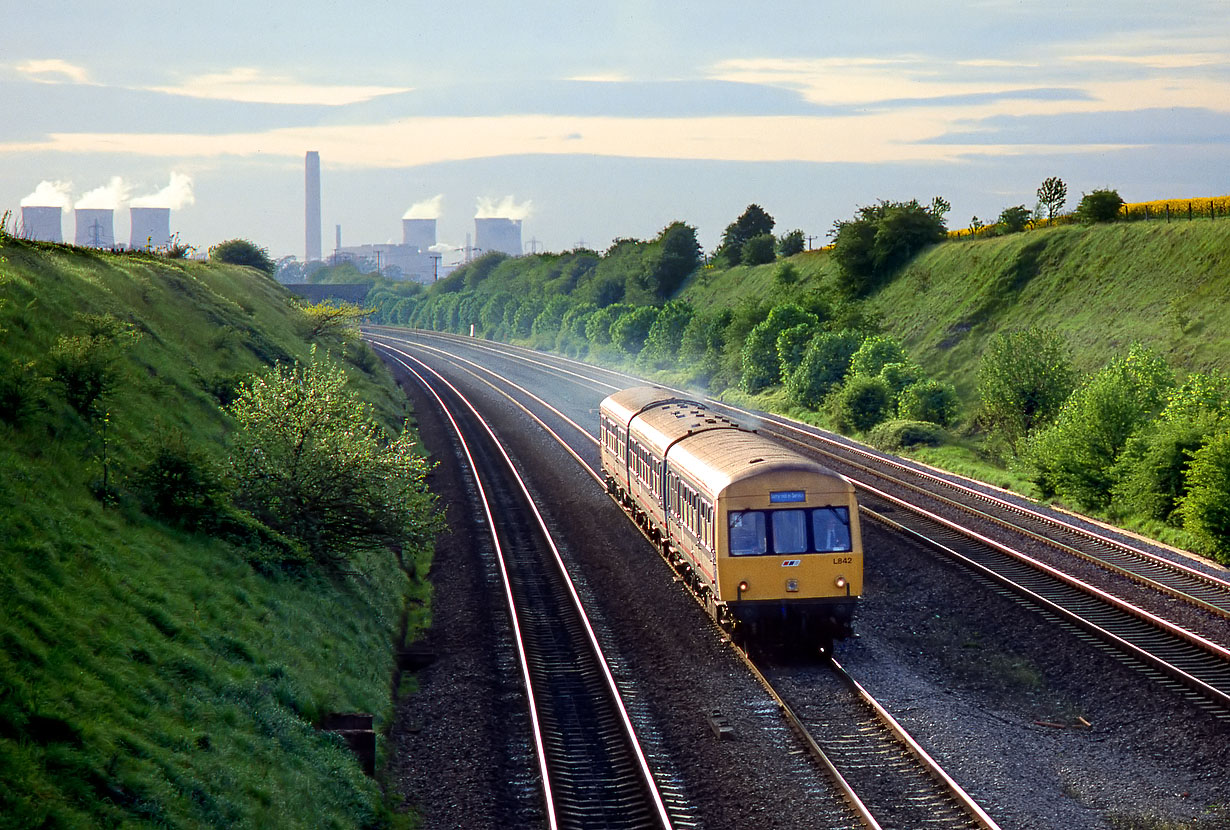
(790, 556)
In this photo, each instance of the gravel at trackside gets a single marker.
(993, 690)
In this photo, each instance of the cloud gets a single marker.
(426, 209)
(177, 194)
(53, 71)
(50, 194)
(603, 78)
(252, 85)
(888, 136)
(506, 208)
(108, 197)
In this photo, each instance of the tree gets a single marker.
(629, 331)
(1052, 195)
(243, 252)
(759, 250)
(825, 364)
(1073, 458)
(1206, 508)
(1023, 380)
(671, 259)
(861, 403)
(1014, 219)
(929, 400)
(752, 222)
(1099, 206)
(333, 319)
(881, 238)
(309, 461)
(791, 243)
(761, 367)
(875, 353)
(666, 333)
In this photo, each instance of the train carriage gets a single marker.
(767, 537)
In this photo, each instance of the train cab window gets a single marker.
(831, 528)
(747, 533)
(789, 531)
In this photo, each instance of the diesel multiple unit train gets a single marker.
(767, 538)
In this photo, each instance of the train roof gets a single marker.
(627, 403)
(709, 446)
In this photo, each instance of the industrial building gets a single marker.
(497, 234)
(41, 223)
(413, 259)
(151, 228)
(95, 227)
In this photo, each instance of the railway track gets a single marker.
(1160, 641)
(593, 770)
(884, 775)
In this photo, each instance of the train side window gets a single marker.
(831, 528)
(747, 533)
(789, 531)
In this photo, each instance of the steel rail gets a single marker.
(794, 722)
(647, 779)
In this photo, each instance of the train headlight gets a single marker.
(792, 585)
(743, 586)
(841, 583)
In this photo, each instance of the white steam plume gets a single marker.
(177, 194)
(426, 209)
(50, 194)
(108, 197)
(506, 208)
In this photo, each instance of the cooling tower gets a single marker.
(498, 235)
(95, 227)
(151, 228)
(418, 233)
(311, 182)
(41, 223)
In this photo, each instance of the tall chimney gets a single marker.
(312, 212)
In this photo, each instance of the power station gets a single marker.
(95, 227)
(41, 223)
(151, 228)
(311, 185)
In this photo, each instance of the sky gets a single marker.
(595, 121)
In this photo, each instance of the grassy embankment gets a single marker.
(149, 674)
(1102, 288)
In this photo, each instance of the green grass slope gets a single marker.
(150, 675)
(1101, 287)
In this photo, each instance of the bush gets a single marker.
(309, 461)
(1023, 380)
(631, 329)
(900, 376)
(791, 243)
(825, 364)
(1150, 475)
(21, 392)
(1073, 457)
(86, 367)
(785, 275)
(761, 366)
(181, 484)
(1014, 219)
(1099, 206)
(861, 403)
(891, 436)
(1206, 508)
(243, 252)
(759, 250)
(930, 400)
(792, 345)
(881, 238)
(875, 353)
(666, 333)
